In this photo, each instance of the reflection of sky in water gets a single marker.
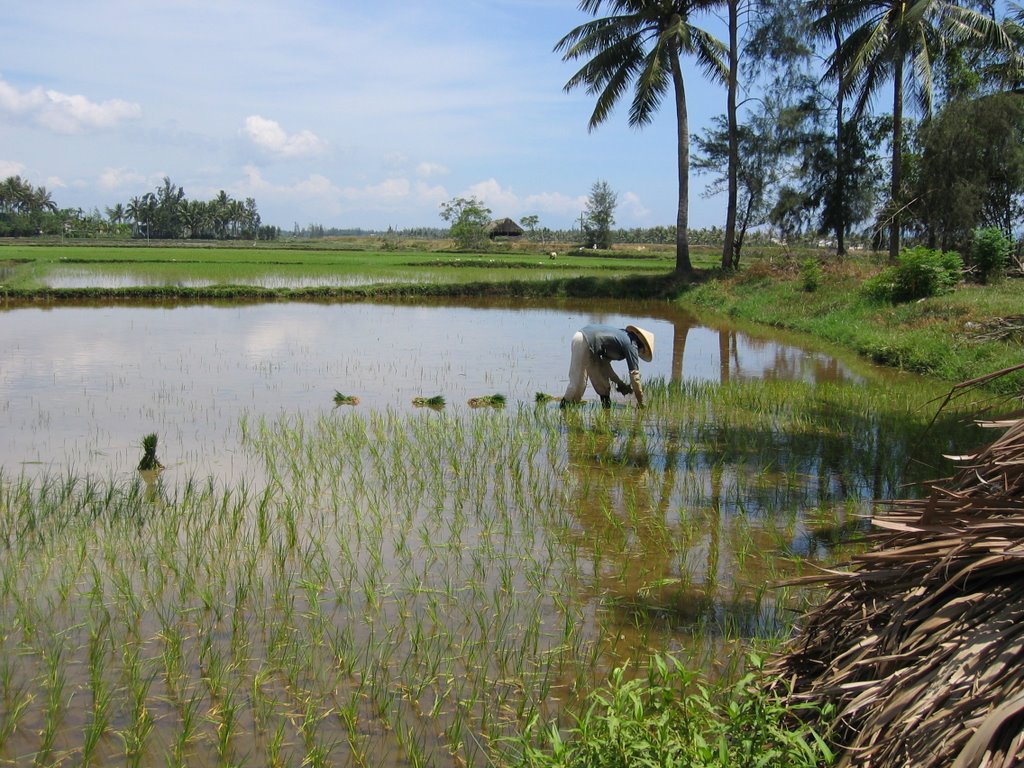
(79, 387)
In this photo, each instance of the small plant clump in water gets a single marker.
(340, 399)
(149, 459)
(542, 397)
(487, 401)
(436, 402)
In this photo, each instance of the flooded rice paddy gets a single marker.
(383, 584)
(159, 275)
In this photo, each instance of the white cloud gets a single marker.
(557, 203)
(490, 192)
(64, 113)
(432, 196)
(119, 178)
(505, 202)
(395, 161)
(632, 205)
(55, 182)
(321, 199)
(390, 190)
(270, 136)
(314, 186)
(426, 170)
(10, 168)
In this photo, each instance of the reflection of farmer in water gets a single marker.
(593, 349)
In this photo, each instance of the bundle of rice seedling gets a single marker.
(487, 401)
(920, 647)
(149, 460)
(436, 402)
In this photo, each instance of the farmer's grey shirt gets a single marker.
(611, 343)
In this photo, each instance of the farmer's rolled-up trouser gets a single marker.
(582, 364)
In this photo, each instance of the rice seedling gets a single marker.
(16, 698)
(419, 587)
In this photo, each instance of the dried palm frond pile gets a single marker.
(920, 647)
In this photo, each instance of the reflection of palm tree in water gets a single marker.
(622, 493)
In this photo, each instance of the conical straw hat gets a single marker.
(646, 342)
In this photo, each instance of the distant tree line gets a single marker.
(25, 209)
(166, 213)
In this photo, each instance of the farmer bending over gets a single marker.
(593, 349)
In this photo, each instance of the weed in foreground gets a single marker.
(672, 717)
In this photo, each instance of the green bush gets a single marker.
(671, 718)
(918, 273)
(810, 275)
(990, 253)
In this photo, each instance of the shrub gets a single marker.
(918, 274)
(990, 253)
(671, 718)
(810, 275)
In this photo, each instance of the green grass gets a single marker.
(670, 716)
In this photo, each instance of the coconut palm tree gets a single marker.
(641, 44)
(898, 42)
(42, 200)
(116, 214)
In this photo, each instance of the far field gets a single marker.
(335, 263)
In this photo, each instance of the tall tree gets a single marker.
(641, 43)
(116, 214)
(970, 172)
(759, 147)
(600, 215)
(167, 215)
(469, 218)
(730, 249)
(897, 42)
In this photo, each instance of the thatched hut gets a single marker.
(503, 228)
(920, 647)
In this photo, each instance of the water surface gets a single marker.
(80, 386)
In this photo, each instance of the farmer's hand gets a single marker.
(638, 390)
(623, 388)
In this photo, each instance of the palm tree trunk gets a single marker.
(897, 160)
(728, 260)
(683, 265)
(840, 189)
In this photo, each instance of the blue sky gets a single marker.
(329, 112)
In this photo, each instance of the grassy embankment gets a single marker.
(955, 337)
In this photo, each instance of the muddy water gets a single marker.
(81, 386)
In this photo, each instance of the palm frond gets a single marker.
(919, 645)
